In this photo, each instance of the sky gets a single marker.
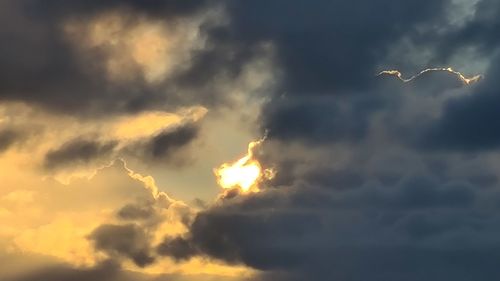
(203, 140)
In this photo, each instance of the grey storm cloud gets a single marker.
(424, 232)
(401, 181)
(467, 123)
(328, 46)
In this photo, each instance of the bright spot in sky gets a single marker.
(245, 173)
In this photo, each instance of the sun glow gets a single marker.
(245, 173)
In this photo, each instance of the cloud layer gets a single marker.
(380, 119)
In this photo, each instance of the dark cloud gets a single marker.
(477, 33)
(79, 151)
(136, 212)
(166, 8)
(328, 46)
(330, 53)
(129, 241)
(378, 179)
(317, 120)
(133, 239)
(166, 145)
(147, 213)
(166, 142)
(353, 235)
(105, 271)
(8, 137)
(177, 248)
(56, 79)
(341, 53)
(467, 123)
(108, 270)
(447, 114)
(66, 80)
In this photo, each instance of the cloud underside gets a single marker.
(379, 177)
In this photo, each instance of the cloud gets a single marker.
(309, 232)
(378, 177)
(83, 152)
(318, 120)
(165, 144)
(166, 8)
(111, 198)
(135, 212)
(128, 240)
(321, 47)
(78, 151)
(177, 248)
(104, 271)
(113, 220)
(72, 78)
(118, 57)
(466, 122)
(8, 138)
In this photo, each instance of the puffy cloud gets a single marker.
(178, 248)
(117, 216)
(128, 240)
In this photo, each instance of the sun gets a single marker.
(246, 173)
